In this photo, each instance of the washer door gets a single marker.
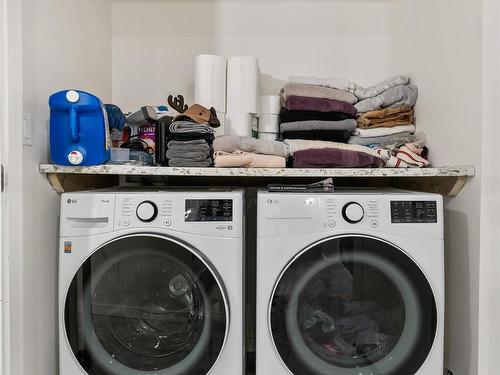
(353, 305)
(146, 304)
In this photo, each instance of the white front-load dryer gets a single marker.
(350, 283)
(151, 283)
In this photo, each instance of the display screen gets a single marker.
(202, 210)
(407, 212)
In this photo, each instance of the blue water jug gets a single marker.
(79, 133)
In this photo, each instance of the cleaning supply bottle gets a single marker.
(79, 131)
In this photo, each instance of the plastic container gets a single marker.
(120, 154)
(270, 104)
(268, 136)
(269, 123)
(79, 131)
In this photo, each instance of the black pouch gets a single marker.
(162, 132)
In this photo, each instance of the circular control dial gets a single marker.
(353, 212)
(147, 211)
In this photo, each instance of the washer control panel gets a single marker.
(204, 213)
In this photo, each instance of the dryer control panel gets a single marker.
(208, 213)
(407, 214)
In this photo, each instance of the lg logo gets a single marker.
(70, 201)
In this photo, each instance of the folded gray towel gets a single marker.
(190, 127)
(187, 154)
(348, 125)
(375, 90)
(390, 141)
(399, 96)
(185, 143)
(189, 146)
(232, 143)
(190, 163)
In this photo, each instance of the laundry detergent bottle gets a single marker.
(79, 132)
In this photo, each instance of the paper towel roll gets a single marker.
(269, 123)
(210, 81)
(242, 85)
(239, 124)
(268, 136)
(270, 104)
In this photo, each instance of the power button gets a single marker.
(167, 222)
(332, 223)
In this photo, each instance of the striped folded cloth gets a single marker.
(407, 156)
(190, 127)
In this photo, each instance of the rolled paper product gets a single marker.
(210, 81)
(239, 124)
(269, 123)
(242, 85)
(270, 104)
(268, 136)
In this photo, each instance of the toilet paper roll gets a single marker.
(210, 81)
(242, 85)
(270, 104)
(221, 130)
(269, 123)
(239, 124)
(268, 136)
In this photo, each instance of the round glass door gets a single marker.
(353, 305)
(146, 304)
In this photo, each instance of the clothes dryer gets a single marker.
(350, 283)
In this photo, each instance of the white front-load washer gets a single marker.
(350, 283)
(151, 283)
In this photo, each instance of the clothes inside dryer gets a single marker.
(146, 304)
(352, 305)
(351, 315)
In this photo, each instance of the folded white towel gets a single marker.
(380, 132)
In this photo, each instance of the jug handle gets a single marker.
(73, 122)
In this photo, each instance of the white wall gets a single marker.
(150, 55)
(153, 55)
(489, 302)
(67, 44)
(441, 47)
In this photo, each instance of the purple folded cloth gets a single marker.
(301, 103)
(334, 158)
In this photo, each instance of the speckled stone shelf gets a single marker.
(447, 180)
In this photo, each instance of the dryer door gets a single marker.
(353, 305)
(146, 304)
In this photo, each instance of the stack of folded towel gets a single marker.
(386, 112)
(190, 144)
(246, 152)
(326, 109)
(316, 112)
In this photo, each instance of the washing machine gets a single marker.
(350, 283)
(151, 283)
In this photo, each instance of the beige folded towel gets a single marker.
(241, 159)
(309, 91)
